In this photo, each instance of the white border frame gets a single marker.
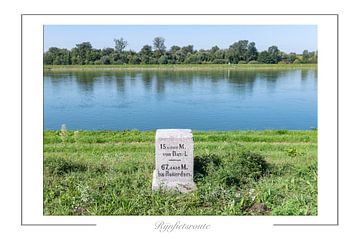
(32, 118)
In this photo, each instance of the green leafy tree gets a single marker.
(251, 52)
(212, 52)
(264, 57)
(238, 51)
(274, 54)
(57, 56)
(146, 54)
(133, 58)
(241, 51)
(120, 44)
(163, 60)
(159, 46)
(188, 49)
(289, 58)
(80, 54)
(305, 56)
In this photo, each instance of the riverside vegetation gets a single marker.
(240, 52)
(265, 172)
(178, 67)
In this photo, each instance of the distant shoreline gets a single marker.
(128, 67)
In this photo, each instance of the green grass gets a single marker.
(269, 172)
(65, 68)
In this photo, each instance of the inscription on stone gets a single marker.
(174, 165)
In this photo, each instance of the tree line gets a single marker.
(240, 52)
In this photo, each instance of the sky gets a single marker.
(289, 38)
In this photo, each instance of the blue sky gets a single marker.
(289, 38)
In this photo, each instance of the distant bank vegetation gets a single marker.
(240, 52)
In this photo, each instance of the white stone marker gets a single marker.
(174, 165)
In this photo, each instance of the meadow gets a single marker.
(262, 172)
(177, 67)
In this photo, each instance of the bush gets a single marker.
(244, 168)
(105, 60)
(297, 61)
(204, 163)
(163, 60)
(242, 62)
(220, 61)
(253, 62)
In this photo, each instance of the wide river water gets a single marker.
(201, 100)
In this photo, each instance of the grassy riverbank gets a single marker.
(66, 68)
(110, 173)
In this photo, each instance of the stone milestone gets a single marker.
(174, 163)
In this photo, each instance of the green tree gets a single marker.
(105, 60)
(237, 51)
(305, 56)
(120, 44)
(212, 52)
(264, 57)
(107, 51)
(289, 58)
(172, 57)
(163, 59)
(159, 46)
(146, 54)
(174, 49)
(241, 51)
(251, 52)
(57, 56)
(188, 49)
(133, 58)
(274, 54)
(80, 54)
(220, 54)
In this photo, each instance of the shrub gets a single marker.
(105, 60)
(242, 62)
(253, 62)
(163, 60)
(204, 163)
(220, 61)
(244, 168)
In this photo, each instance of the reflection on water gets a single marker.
(216, 100)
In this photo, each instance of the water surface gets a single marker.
(202, 100)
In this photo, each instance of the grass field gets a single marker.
(269, 172)
(66, 68)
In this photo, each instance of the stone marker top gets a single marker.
(174, 134)
(174, 165)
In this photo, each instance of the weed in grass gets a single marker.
(76, 136)
(282, 131)
(63, 133)
(61, 166)
(293, 152)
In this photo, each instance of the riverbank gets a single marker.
(110, 173)
(187, 67)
